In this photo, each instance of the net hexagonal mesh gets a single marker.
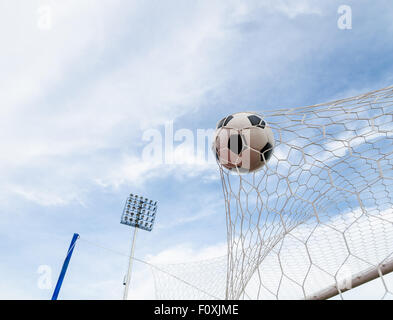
(317, 219)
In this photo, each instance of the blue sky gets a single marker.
(78, 96)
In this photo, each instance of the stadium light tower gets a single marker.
(140, 213)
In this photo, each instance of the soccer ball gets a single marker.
(243, 142)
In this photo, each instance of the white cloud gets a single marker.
(293, 9)
(66, 93)
(186, 253)
(41, 197)
(101, 73)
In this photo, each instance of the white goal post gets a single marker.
(356, 281)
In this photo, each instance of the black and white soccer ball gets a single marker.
(243, 142)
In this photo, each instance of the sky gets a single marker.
(85, 85)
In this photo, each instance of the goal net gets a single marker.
(316, 220)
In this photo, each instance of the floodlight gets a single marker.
(138, 213)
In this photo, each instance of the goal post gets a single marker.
(356, 281)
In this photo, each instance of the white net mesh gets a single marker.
(317, 219)
(196, 280)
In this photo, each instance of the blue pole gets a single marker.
(65, 266)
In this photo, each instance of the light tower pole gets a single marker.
(139, 213)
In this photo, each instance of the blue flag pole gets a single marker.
(65, 266)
